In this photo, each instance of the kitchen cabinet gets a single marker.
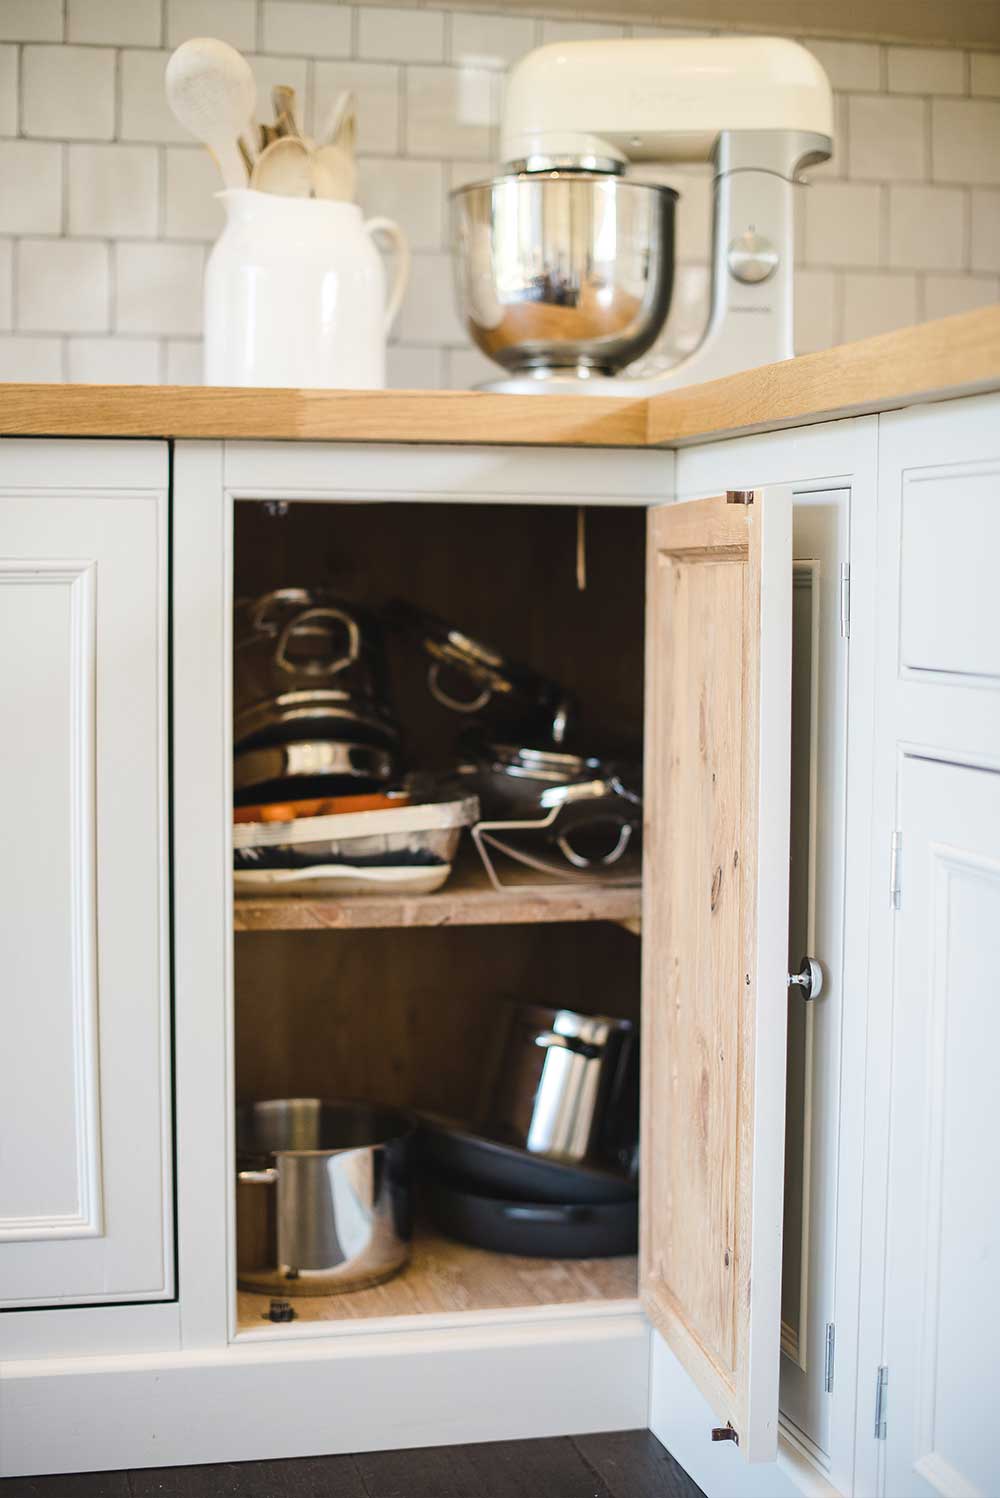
(934, 1231)
(837, 702)
(85, 1146)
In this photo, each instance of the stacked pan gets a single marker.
(549, 1169)
(312, 706)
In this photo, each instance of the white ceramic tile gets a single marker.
(986, 228)
(68, 93)
(450, 111)
(113, 361)
(8, 90)
(184, 362)
(429, 313)
(192, 210)
(6, 284)
(305, 29)
(945, 295)
(488, 41)
(414, 368)
(293, 71)
(462, 173)
(377, 85)
(467, 368)
(927, 227)
(842, 224)
(848, 65)
(388, 34)
(31, 177)
(411, 192)
(158, 288)
(877, 303)
(965, 142)
(62, 286)
(118, 23)
(35, 361)
(984, 74)
(926, 70)
(31, 20)
(145, 114)
(114, 190)
(579, 31)
(816, 308)
(887, 138)
(232, 21)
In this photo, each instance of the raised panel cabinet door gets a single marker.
(942, 1323)
(715, 932)
(85, 1167)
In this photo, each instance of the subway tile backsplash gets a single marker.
(107, 210)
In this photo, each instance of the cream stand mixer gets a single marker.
(564, 264)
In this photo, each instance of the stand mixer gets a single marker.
(564, 264)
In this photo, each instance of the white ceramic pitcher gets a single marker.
(295, 294)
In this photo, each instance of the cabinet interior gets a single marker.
(406, 1015)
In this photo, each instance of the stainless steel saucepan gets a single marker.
(322, 1196)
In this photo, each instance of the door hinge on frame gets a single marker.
(828, 1356)
(895, 860)
(845, 600)
(740, 496)
(881, 1401)
(725, 1433)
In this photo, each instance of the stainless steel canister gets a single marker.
(323, 1195)
(566, 1085)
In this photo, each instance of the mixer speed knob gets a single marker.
(752, 258)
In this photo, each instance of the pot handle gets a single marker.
(257, 1177)
(400, 280)
(549, 1040)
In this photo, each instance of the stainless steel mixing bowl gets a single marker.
(564, 270)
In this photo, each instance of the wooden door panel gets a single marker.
(715, 927)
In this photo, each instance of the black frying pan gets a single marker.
(538, 1230)
(447, 1148)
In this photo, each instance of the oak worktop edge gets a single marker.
(949, 357)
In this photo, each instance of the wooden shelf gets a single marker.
(468, 899)
(444, 1276)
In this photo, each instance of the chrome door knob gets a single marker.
(809, 978)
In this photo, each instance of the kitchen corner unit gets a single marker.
(817, 694)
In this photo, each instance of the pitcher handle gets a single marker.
(400, 281)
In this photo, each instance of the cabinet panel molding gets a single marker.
(715, 926)
(51, 604)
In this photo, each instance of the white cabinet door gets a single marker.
(85, 1171)
(715, 935)
(942, 1316)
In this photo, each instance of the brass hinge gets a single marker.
(725, 1433)
(740, 496)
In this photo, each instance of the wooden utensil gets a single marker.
(211, 91)
(283, 100)
(285, 168)
(335, 172)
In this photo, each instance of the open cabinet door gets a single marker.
(715, 933)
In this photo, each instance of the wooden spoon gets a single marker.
(212, 93)
(285, 168)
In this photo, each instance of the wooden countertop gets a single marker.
(953, 356)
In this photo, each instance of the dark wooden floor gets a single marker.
(624, 1464)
